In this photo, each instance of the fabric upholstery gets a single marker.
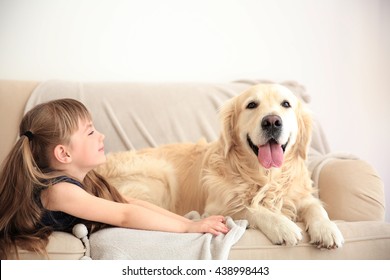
(349, 189)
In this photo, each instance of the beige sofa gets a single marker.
(137, 115)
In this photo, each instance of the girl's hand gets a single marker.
(211, 224)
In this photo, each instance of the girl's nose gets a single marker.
(102, 136)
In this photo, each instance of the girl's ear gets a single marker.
(61, 154)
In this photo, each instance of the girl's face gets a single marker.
(87, 146)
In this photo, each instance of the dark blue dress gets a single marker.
(57, 220)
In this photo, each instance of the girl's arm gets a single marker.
(75, 201)
(155, 208)
(200, 223)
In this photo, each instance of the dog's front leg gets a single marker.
(323, 232)
(277, 227)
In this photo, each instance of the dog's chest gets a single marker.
(273, 196)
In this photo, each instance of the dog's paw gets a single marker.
(325, 234)
(284, 231)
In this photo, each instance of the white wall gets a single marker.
(338, 49)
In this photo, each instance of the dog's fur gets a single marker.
(227, 177)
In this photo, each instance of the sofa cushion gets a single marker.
(363, 240)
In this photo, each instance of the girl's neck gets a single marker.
(79, 176)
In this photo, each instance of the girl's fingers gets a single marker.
(216, 224)
(221, 228)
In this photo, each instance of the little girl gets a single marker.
(47, 183)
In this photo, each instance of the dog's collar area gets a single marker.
(255, 149)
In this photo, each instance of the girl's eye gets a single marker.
(91, 132)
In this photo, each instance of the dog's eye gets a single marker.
(286, 104)
(252, 105)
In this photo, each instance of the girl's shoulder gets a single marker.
(61, 190)
(51, 186)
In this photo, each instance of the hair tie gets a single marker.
(29, 135)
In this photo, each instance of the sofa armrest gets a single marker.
(62, 246)
(351, 190)
(13, 98)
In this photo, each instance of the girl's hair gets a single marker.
(21, 176)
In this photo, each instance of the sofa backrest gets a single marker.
(138, 115)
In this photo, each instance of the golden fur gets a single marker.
(226, 176)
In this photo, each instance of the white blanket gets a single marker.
(121, 243)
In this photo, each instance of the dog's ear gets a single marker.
(228, 117)
(304, 130)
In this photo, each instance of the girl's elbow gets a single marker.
(124, 219)
(121, 220)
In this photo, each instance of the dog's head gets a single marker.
(268, 122)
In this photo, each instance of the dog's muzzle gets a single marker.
(269, 153)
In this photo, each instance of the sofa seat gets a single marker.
(363, 240)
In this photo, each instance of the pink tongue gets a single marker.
(270, 155)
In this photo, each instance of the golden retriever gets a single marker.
(255, 170)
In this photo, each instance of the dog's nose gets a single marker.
(272, 124)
